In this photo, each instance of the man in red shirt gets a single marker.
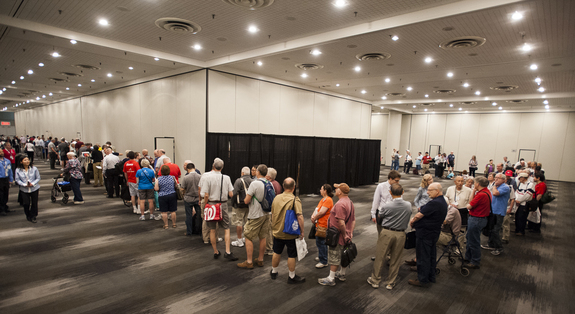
(130, 168)
(425, 163)
(479, 209)
(174, 169)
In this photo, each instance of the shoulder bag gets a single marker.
(332, 234)
(291, 225)
(491, 219)
(213, 212)
(349, 253)
(179, 193)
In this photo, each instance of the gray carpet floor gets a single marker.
(99, 258)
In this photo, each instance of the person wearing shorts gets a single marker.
(131, 167)
(283, 202)
(166, 187)
(145, 177)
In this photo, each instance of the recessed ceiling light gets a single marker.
(103, 22)
(1, 92)
(50, 94)
(67, 88)
(79, 85)
(414, 106)
(157, 59)
(21, 77)
(259, 63)
(13, 82)
(450, 105)
(109, 74)
(55, 54)
(494, 104)
(465, 85)
(426, 95)
(357, 68)
(130, 68)
(340, 3)
(4, 89)
(533, 66)
(73, 42)
(27, 101)
(545, 102)
(43, 96)
(37, 98)
(477, 93)
(30, 72)
(546, 106)
(409, 88)
(538, 80)
(500, 108)
(425, 109)
(336, 85)
(252, 29)
(394, 38)
(517, 16)
(40, 64)
(315, 52)
(384, 97)
(92, 80)
(381, 107)
(428, 60)
(450, 74)
(460, 109)
(304, 75)
(387, 80)
(197, 47)
(541, 89)
(526, 47)
(363, 91)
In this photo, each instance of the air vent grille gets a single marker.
(463, 42)
(86, 67)
(70, 74)
(56, 79)
(177, 25)
(395, 94)
(517, 101)
(444, 91)
(467, 103)
(309, 66)
(250, 4)
(504, 87)
(373, 56)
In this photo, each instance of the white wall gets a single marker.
(492, 136)
(131, 117)
(244, 105)
(379, 132)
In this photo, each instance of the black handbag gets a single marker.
(332, 235)
(409, 240)
(491, 219)
(348, 255)
(312, 232)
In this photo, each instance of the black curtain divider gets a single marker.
(313, 161)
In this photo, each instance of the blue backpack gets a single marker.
(269, 195)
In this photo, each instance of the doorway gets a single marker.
(168, 144)
(527, 154)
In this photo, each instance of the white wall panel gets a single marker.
(321, 125)
(269, 108)
(247, 105)
(404, 141)
(393, 135)
(288, 111)
(350, 119)
(530, 131)
(468, 140)
(486, 139)
(567, 172)
(552, 137)
(379, 131)
(507, 136)
(418, 134)
(436, 130)
(451, 144)
(304, 120)
(365, 119)
(222, 102)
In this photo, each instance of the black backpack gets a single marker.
(119, 167)
(240, 198)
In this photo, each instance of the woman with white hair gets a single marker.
(73, 168)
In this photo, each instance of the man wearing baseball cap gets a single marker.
(342, 217)
(524, 194)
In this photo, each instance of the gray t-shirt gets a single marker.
(190, 184)
(257, 191)
(211, 183)
(396, 214)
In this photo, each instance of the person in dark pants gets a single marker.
(73, 168)
(524, 194)
(108, 167)
(190, 189)
(427, 224)
(479, 209)
(28, 178)
(540, 189)
(53, 153)
(6, 178)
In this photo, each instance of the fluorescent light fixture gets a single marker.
(426, 95)
(516, 16)
(37, 98)
(394, 38)
(21, 77)
(50, 94)
(13, 82)
(547, 107)
(381, 107)
(73, 42)
(197, 47)
(303, 75)
(500, 108)
(67, 88)
(357, 68)
(363, 91)
(340, 3)
(103, 22)
(387, 80)
(253, 29)
(533, 66)
(414, 106)
(315, 52)
(538, 80)
(79, 85)
(43, 96)
(425, 109)
(56, 55)
(460, 109)
(428, 60)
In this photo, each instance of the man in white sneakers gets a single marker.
(239, 207)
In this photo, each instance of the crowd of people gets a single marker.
(260, 205)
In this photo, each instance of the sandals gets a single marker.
(165, 226)
(174, 226)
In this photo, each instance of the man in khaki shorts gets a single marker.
(258, 223)
(239, 207)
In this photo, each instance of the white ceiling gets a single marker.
(30, 30)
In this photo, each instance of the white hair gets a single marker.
(246, 171)
(167, 160)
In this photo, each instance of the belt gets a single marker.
(392, 229)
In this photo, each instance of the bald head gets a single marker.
(434, 190)
(289, 184)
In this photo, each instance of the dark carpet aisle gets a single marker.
(99, 258)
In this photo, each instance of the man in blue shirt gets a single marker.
(6, 178)
(500, 191)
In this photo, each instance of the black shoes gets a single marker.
(216, 255)
(296, 279)
(3, 214)
(33, 220)
(273, 275)
(230, 257)
(471, 266)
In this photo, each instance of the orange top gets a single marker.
(325, 202)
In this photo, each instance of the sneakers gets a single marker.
(246, 265)
(372, 283)
(158, 217)
(135, 211)
(295, 280)
(390, 286)
(146, 212)
(487, 247)
(339, 276)
(230, 257)
(326, 281)
(220, 240)
(142, 217)
(78, 202)
(496, 252)
(320, 265)
(273, 275)
(238, 243)
(316, 259)
(270, 253)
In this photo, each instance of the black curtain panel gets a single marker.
(312, 161)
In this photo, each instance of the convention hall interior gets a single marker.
(324, 91)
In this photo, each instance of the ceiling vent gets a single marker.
(504, 87)
(56, 79)
(444, 91)
(177, 25)
(373, 56)
(70, 74)
(517, 101)
(86, 67)
(463, 42)
(395, 94)
(309, 66)
(467, 103)
(250, 4)
(427, 104)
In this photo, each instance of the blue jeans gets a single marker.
(189, 215)
(426, 253)
(321, 250)
(76, 189)
(474, 227)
